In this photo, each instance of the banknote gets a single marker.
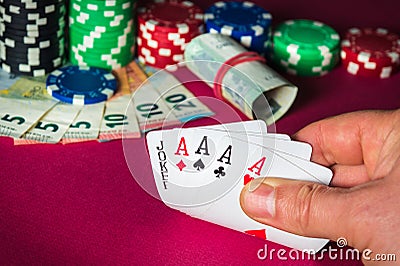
(129, 78)
(7, 79)
(119, 120)
(27, 88)
(253, 87)
(184, 105)
(52, 126)
(17, 116)
(22, 105)
(86, 125)
(30, 115)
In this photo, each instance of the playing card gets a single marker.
(286, 148)
(194, 163)
(176, 164)
(250, 128)
(255, 128)
(201, 171)
(227, 212)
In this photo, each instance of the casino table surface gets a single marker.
(79, 203)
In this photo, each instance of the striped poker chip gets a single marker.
(375, 45)
(81, 85)
(245, 22)
(369, 70)
(373, 52)
(171, 16)
(165, 28)
(32, 36)
(101, 33)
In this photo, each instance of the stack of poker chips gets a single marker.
(165, 28)
(244, 22)
(31, 36)
(305, 47)
(102, 33)
(371, 52)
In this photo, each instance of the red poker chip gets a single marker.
(160, 42)
(161, 51)
(171, 16)
(165, 27)
(371, 45)
(167, 37)
(182, 28)
(148, 55)
(157, 44)
(158, 62)
(170, 34)
(360, 69)
(362, 59)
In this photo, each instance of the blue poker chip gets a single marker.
(81, 85)
(257, 44)
(236, 19)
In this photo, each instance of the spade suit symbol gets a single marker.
(198, 165)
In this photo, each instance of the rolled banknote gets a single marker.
(253, 87)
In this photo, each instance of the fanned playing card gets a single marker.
(201, 172)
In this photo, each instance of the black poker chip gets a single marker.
(32, 15)
(32, 36)
(11, 54)
(38, 35)
(31, 42)
(48, 27)
(32, 20)
(30, 5)
(36, 62)
(27, 70)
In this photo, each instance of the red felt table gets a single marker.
(79, 204)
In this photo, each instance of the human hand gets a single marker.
(362, 204)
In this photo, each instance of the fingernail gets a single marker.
(260, 200)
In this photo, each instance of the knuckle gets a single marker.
(305, 210)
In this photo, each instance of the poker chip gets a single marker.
(102, 33)
(245, 22)
(32, 36)
(305, 47)
(371, 52)
(81, 85)
(165, 28)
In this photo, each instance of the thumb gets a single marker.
(299, 207)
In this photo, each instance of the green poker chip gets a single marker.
(305, 47)
(315, 69)
(307, 38)
(110, 18)
(101, 63)
(102, 33)
(94, 54)
(105, 42)
(301, 58)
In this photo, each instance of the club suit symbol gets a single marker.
(219, 172)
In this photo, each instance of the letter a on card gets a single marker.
(203, 146)
(258, 166)
(182, 147)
